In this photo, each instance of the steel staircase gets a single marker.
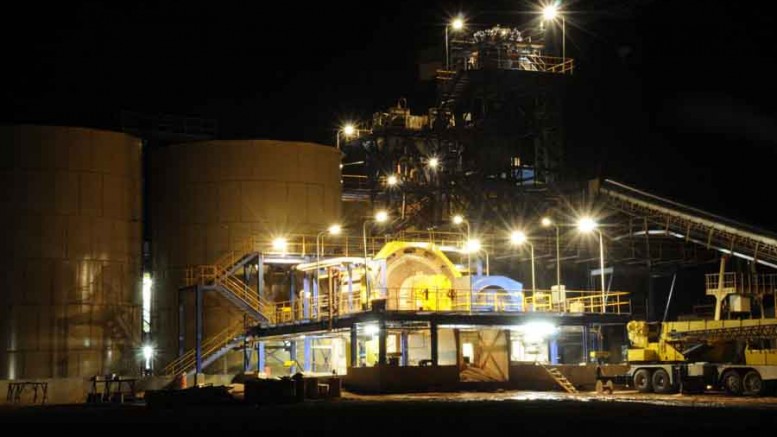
(212, 349)
(559, 378)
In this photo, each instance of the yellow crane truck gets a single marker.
(731, 355)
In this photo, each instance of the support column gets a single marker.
(198, 328)
(247, 351)
(307, 364)
(434, 343)
(293, 356)
(306, 293)
(585, 343)
(181, 324)
(350, 289)
(260, 357)
(382, 334)
(404, 348)
(354, 346)
(553, 351)
(260, 276)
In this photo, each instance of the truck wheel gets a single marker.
(732, 382)
(661, 382)
(642, 381)
(752, 385)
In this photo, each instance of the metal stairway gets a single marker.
(243, 297)
(219, 277)
(212, 349)
(560, 379)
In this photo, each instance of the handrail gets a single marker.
(209, 346)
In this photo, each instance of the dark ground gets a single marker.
(513, 413)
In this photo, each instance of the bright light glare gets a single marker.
(349, 130)
(546, 221)
(381, 216)
(280, 244)
(518, 237)
(148, 352)
(335, 230)
(472, 246)
(458, 219)
(392, 180)
(433, 163)
(549, 12)
(457, 23)
(371, 329)
(534, 332)
(586, 224)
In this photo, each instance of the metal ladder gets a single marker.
(560, 379)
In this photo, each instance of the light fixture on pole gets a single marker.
(348, 130)
(380, 217)
(550, 13)
(456, 25)
(332, 230)
(547, 222)
(519, 238)
(587, 225)
(458, 219)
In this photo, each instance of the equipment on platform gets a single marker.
(735, 355)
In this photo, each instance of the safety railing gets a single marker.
(188, 360)
(742, 283)
(453, 301)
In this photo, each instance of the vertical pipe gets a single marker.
(434, 343)
(354, 345)
(198, 346)
(585, 343)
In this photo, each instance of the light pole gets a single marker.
(519, 238)
(456, 24)
(549, 13)
(332, 230)
(380, 217)
(458, 219)
(586, 225)
(546, 221)
(347, 130)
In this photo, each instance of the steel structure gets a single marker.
(493, 137)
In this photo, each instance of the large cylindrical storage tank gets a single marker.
(208, 197)
(70, 247)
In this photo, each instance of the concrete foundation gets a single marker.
(394, 379)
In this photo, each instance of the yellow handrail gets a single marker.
(186, 361)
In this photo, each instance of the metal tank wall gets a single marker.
(70, 248)
(208, 197)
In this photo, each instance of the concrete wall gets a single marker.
(533, 377)
(395, 379)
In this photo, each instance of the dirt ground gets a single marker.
(505, 412)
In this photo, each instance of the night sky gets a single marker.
(674, 97)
